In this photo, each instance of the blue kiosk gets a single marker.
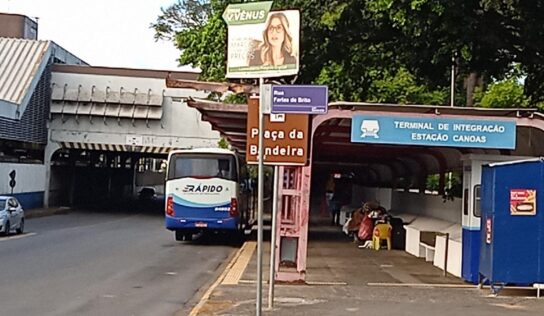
(512, 236)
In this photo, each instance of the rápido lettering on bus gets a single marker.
(202, 188)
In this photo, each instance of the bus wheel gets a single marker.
(179, 235)
(237, 237)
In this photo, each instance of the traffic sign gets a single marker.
(285, 140)
(307, 99)
(12, 182)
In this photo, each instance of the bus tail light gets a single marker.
(170, 206)
(233, 207)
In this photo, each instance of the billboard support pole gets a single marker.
(260, 198)
(273, 238)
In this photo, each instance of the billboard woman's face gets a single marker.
(276, 32)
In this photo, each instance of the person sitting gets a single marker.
(365, 230)
(382, 216)
(354, 223)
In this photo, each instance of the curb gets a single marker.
(206, 296)
(36, 213)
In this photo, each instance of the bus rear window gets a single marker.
(204, 166)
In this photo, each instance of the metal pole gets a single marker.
(446, 255)
(260, 205)
(273, 239)
(452, 83)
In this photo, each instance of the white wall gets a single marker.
(364, 194)
(427, 205)
(29, 178)
(400, 202)
(455, 255)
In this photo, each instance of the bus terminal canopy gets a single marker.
(384, 164)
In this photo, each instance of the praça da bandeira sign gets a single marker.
(447, 132)
(285, 143)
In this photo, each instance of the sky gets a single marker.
(112, 33)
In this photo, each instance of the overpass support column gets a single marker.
(50, 149)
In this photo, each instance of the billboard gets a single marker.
(257, 48)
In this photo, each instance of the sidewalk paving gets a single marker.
(346, 280)
(41, 212)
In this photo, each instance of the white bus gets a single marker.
(204, 190)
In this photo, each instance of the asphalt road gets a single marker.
(104, 264)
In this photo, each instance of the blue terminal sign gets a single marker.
(307, 99)
(447, 132)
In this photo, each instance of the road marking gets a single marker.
(439, 285)
(206, 296)
(316, 283)
(17, 236)
(236, 271)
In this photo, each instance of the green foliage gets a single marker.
(204, 47)
(402, 88)
(504, 94)
(453, 185)
(198, 31)
(235, 99)
(223, 143)
(253, 171)
(181, 15)
(330, 18)
(432, 182)
(385, 50)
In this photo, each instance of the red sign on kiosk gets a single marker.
(488, 230)
(522, 202)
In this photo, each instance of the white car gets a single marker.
(12, 216)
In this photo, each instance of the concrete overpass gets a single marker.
(127, 113)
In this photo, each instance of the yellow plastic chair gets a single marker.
(381, 232)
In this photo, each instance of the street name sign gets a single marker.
(307, 99)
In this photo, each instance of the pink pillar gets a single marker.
(292, 228)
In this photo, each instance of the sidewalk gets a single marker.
(41, 212)
(345, 280)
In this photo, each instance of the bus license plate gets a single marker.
(201, 224)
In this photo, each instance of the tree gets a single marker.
(402, 88)
(223, 143)
(180, 16)
(198, 31)
(396, 51)
(504, 94)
